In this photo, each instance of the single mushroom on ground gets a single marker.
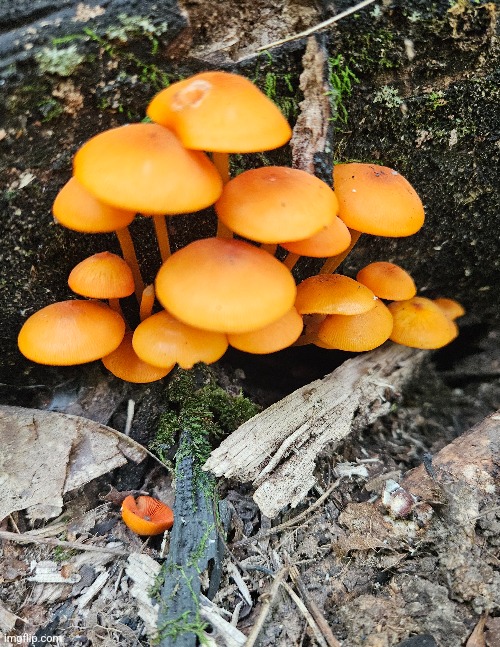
(71, 332)
(222, 113)
(146, 516)
(225, 285)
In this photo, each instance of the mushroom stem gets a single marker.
(128, 251)
(291, 260)
(147, 302)
(161, 230)
(221, 162)
(311, 330)
(269, 248)
(331, 264)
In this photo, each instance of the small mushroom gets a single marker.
(125, 364)
(146, 515)
(71, 332)
(162, 340)
(333, 294)
(102, 276)
(356, 333)
(420, 323)
(333, 239)
(387, 281)
(451, 308)
(274, 337)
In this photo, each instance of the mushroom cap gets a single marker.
(220, 112)
(333, 294)
(377, 200)
(420, 323)
(162, 340)
(146, 516)
(333, 239)
(225, 285)
(451, 308)
(274, 337)
(71, 332)
(77, 209)
(357, 333)
(387, 281)
(145, 168)
(125, 364)
(273, 203)
(102, 276)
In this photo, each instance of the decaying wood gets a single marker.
(472, 460)
(312, 133)
(277, 449)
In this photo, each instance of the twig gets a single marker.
(28, 539)
(291, 522)
(313, 608)
(266, 607)
(309, 619)
(321, 25)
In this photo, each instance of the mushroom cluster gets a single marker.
(224, 291)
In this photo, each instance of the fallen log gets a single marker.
(277, 449)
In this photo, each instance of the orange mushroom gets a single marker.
(420, 323)
(329, 241)
(125, 364)
(146, 515)
(387, 281)
(275, 203)
(451, 308)
(333, 294)
(145, 168)
(272, 338)
(357, 333)
(162, 340)
(374, 200)
(102, 276)
(225, 285)
(77, 209)
(71, 332)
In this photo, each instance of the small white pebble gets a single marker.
(354, 190)
(394, 173)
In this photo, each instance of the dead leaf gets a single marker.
(7, 619)
(45, 454)
(476, 639)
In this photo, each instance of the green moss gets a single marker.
(388, 96)
(342, 80)
(62, 62)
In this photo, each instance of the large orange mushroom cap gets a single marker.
(274, 337)
(162, 340)
(220, 112)
(420, 323)
(357, 333)
(387, 281)
(377, 200)
(333, 239)
(225, 285)
(125, 364)
(146, 515)
(275, 203)
(333, 294)
(77, 209)
(71, 332)
(102, 276)
(145, 168)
